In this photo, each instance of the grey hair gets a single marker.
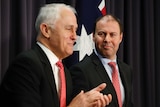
(49, 13)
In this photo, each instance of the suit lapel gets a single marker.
(103, 74)
(105, 78)
(47, 70)
(124, 77)
(68, 84)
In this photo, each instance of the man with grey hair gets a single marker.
(32, 79)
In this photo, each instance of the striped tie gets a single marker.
(63, 84)
(115, 81)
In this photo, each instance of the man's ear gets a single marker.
(121, 37)
(93, 37)
(45, 30)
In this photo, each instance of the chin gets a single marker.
(70, 53)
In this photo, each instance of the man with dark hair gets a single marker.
(104, 66)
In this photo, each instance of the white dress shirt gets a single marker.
(108, 69)
(53, 59)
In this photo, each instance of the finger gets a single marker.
(93, 96)
(110, 97)
(98, 103)
(82, 92)
(100, 87)
(94, 104)
(107, 100)
(103, 100)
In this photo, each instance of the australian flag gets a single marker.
(87, 13)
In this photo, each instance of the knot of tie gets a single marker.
(59, 64)
(112, 65)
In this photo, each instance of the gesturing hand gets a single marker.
(92, 98)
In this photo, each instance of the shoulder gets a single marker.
(27, 63)
(25, 56)
(125, 68)
(123, 64)
(32, 55)
(87, 60)
(29, 60)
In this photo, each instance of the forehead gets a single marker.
(107, 26)
(107, 23)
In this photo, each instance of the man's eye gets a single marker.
(71, 28)
(101, 33)
(68, 28)
(113, 34)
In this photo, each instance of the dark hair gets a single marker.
(110, 17)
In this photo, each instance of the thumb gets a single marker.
(82, 92)
(100, 87)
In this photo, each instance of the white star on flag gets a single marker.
(84, 43)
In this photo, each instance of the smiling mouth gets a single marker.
(106, 47)
(71, 44)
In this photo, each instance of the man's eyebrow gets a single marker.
(72, 26)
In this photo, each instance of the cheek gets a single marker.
(116, 45)
(100, 42)
(117, 41)
(67, 43)
(97, 40)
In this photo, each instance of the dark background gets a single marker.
(140, 47)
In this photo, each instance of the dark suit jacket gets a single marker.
(90, 72)
(29, 82)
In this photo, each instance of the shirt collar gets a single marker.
(103, 59)
(51, 56)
